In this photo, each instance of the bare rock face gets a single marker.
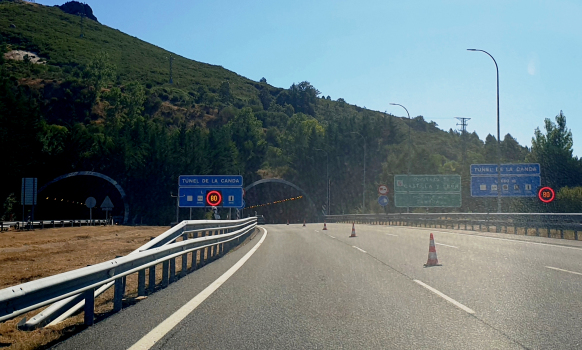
(76, 8)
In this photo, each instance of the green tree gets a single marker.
(99, 72)
(553, 151)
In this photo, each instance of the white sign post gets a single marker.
(107, 205)
(90, 203)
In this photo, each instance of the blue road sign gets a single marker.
(383, 201)
(506, 169)
(210, 181)
(511, 186)
(195, 197)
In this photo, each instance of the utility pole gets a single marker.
(171, 59)
(464, 174)
(82, 15)
(463, 125)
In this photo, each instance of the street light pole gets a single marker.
(498, 135)
(364, 189)
(326, 177)
(409, 157)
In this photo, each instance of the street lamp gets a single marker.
(498, 135)
(409, 156)
(364, 189)
(328, 211)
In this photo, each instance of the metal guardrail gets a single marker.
(82, 285)
(536, 222)
(5, 225)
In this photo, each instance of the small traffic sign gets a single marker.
(382, 190)
(213, 198)
(107, 204)
(90, 202)
(546, 194)
(383, 201)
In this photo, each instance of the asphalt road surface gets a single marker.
(305, 288)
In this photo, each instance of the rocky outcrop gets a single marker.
(76, 8)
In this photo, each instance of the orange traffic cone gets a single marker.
(324, 225)
(303, 222)
(432, 255)
(353, 230)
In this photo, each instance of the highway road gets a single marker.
(304, 288)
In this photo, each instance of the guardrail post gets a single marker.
(576, 234)
(89, 308)
(141, 283)
(63, 223)
(42, 225)
(184, 265)
(561, 233)
(514, 229)
(211, 248)
(172, 270)
(193, 265)
(152, 279)
(549, 235)
(165, 273)
(118, 292)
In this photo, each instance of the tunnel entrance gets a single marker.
(278, 201)
(64, 197)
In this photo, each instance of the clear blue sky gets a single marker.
(375, 52)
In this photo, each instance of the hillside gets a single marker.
(103, 102)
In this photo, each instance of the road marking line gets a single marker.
(331, 236)
(446, 245)
(446, 297)
(555, 268)
(390, 234)
(156, 334)
(316, 231)
(360, 249)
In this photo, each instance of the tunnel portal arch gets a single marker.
(99, 175)
(285, 182)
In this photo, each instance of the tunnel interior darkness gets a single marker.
(266, 194)
(65, 199)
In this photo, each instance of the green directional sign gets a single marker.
(403, 200)
(427, 183)
(427, 191)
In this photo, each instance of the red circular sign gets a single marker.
(213, 198)
(382, 190)
(546, 194)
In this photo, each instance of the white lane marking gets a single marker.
(446, 245)
(509, 240)
(316, 231)
(156, 334)
(360, 249)
(390, 234)
(555, 268)
(331, 236)
(446, 297)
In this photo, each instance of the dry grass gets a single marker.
(30, 255)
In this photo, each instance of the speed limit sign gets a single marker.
(382, 190)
